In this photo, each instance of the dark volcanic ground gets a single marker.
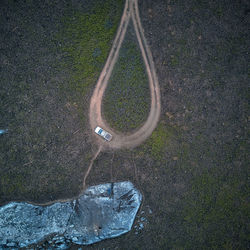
(193, 171)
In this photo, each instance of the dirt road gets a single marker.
(95, 112)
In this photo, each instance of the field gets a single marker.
(51, 56)
(127, 98)
(192, 171)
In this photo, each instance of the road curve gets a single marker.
(95, 111)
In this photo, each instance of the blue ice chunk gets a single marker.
(141, 226)
(95, 216)
(3, 131)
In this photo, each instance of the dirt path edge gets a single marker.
(95, 111)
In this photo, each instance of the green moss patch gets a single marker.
(127, 98)
(215, 210)
(88, 38)
(163, 141)
(61, 48)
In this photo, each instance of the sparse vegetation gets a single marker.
(61, 49)
(164, 138)
(193, 170)
(88, 38)
(215, 211)
(126, 102)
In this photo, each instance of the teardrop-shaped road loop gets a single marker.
(95, 112)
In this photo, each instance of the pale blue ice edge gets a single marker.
(99, 213)
(3, 131)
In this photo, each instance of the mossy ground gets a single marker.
(88, 37)
(193, 170)
(52, 54)
(126, 101)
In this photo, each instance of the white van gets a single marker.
(107, 136)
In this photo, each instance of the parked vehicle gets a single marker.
(107, 136)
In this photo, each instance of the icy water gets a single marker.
(101, 212)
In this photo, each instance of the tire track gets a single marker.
(95, 111)
(90, 167)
